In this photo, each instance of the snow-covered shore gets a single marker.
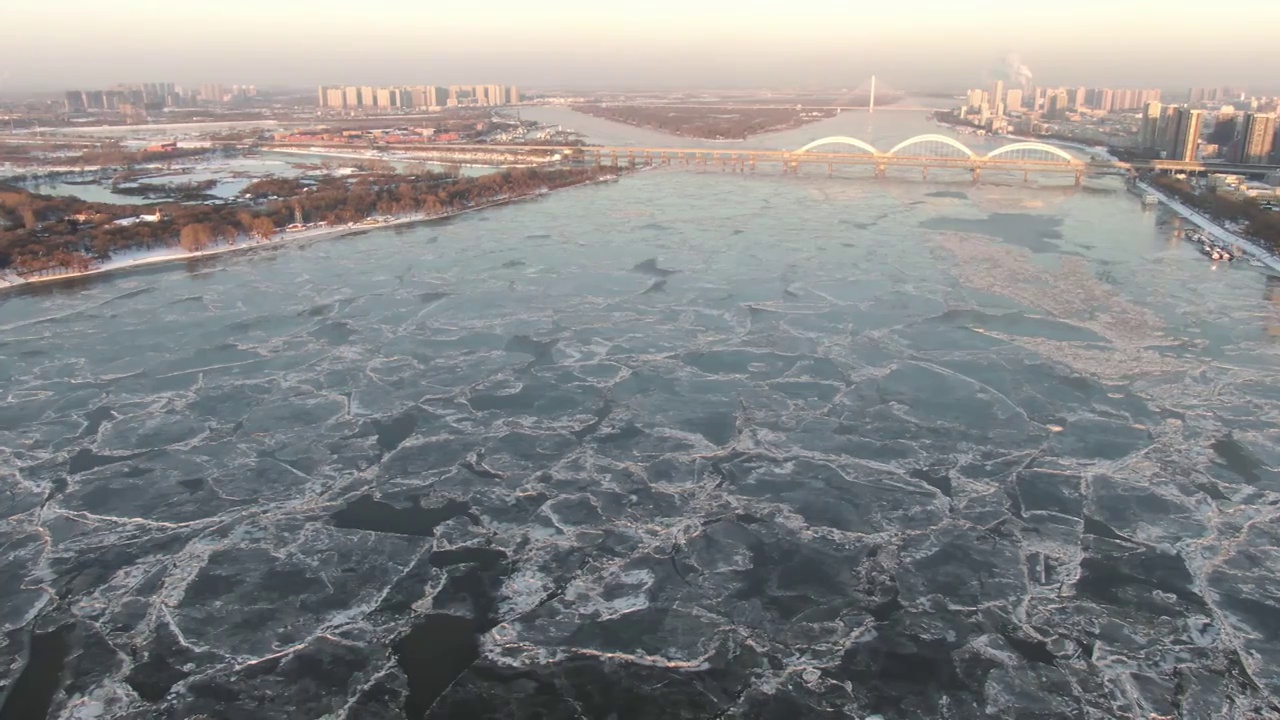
(406, 156)
(1218, 232)
(142, 258)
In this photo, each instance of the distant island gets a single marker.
(718, 122)
(43, 237)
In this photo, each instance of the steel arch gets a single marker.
(840, 140)
(933, 138)
(1033, 146)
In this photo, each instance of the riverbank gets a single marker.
(146, 258)
(1252, 249)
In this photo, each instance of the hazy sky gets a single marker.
(909, 44)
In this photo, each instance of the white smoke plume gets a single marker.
(1013, 71)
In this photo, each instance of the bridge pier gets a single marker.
(1026, 176)
(924, 173)
(831, 169)
(1079, 178)
(753, 162)
(977, 174)
(881, 170)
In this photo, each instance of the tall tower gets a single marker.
(1186, 138)
(872, 107)
(1257, 136)
(1149, 130)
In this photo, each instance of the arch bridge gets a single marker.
(940, 151)
(923, 152)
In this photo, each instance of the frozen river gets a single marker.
(687, 445)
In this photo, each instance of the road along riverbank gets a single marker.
(1254, 250)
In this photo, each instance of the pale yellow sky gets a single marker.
(52, 44)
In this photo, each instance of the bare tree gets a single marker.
(195, 237)
(264, 228)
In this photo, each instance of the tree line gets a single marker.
(42, 235)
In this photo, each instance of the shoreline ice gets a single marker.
(127, 260)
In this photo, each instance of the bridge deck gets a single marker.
(627, 153)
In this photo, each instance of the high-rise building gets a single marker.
(461, 95)
(1166, 129)
(1256, 137)
(74, 101)
(997, 94)
(1148, 133)
(1078, 98)
(212, 93)
(383, 99)
(1056, 105)
(335, 98)
(1104, 99)
(1012, 99)
(1186, 135)
(426, 96)
(975, 98)
(1039, 99)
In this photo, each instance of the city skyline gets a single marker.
(915, 45)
